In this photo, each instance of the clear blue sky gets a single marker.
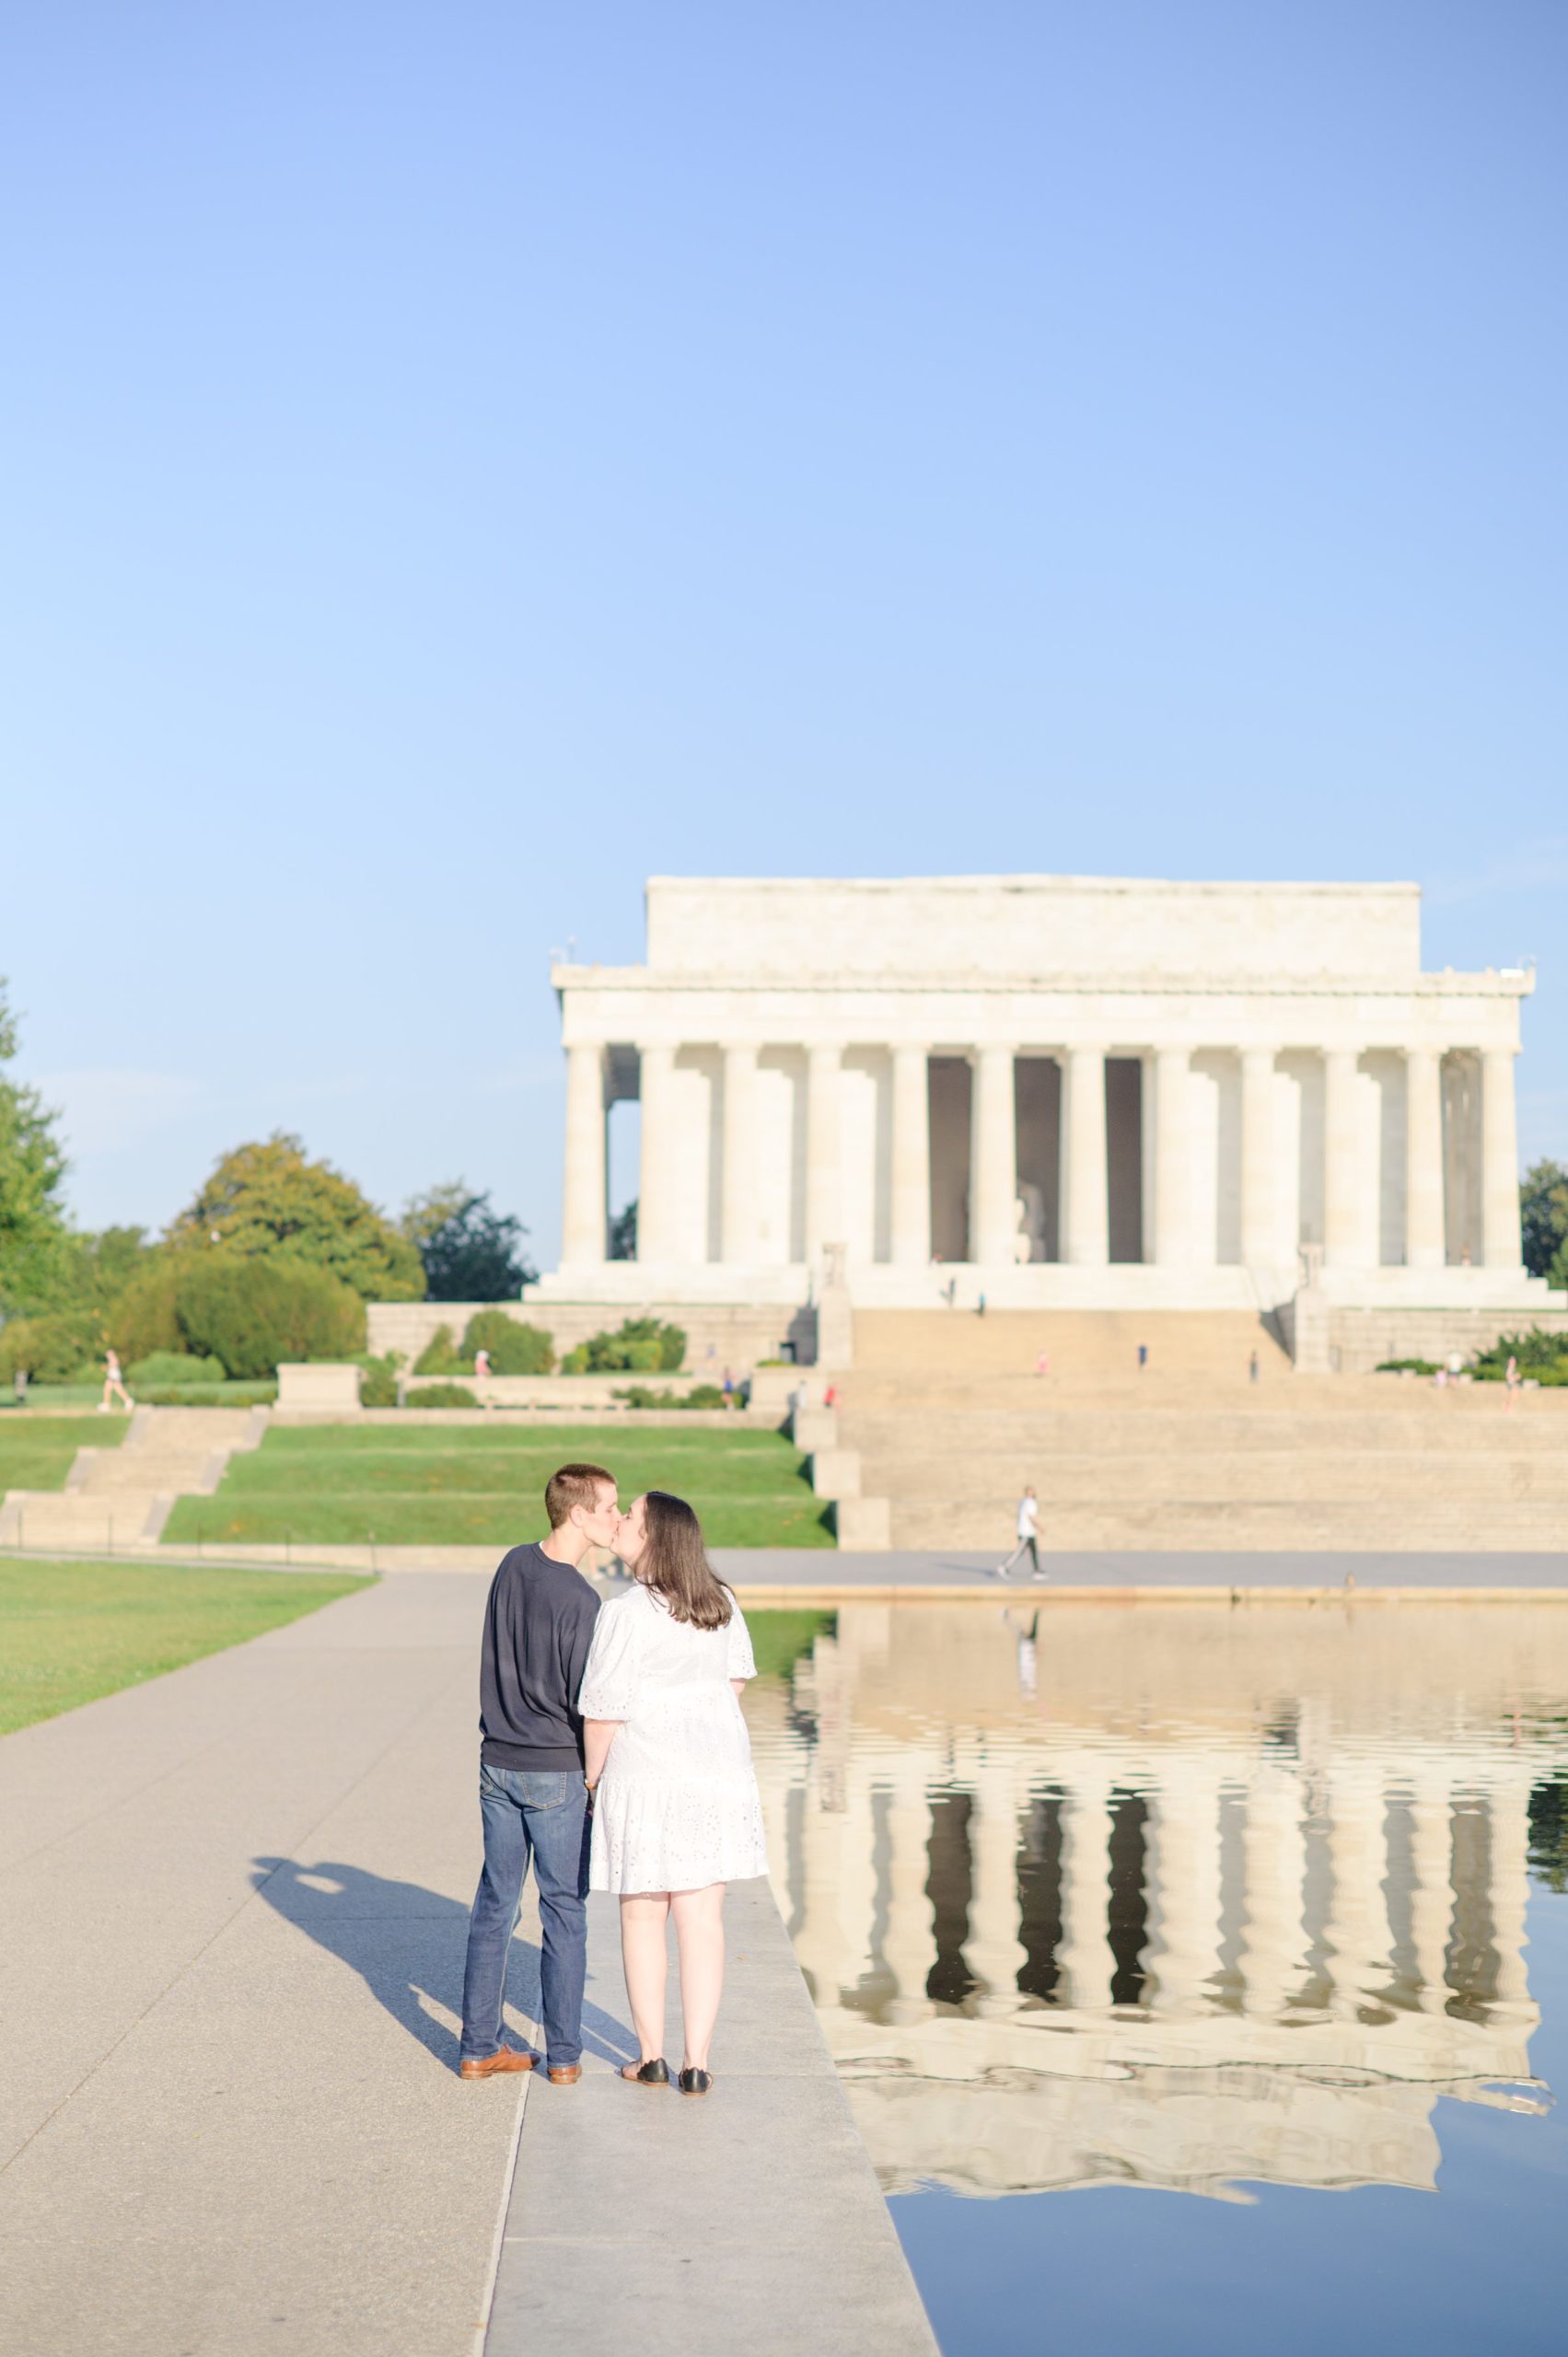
(464, 458)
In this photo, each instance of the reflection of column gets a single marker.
(1432, 1869)
(1423, 1159)
(996, 1955)
(1500, 1162)
(994, 1183)
(738, 1214)
(1259, 1220)
(824, 1185)
(1357, 1934)
(1086, 1220)
(1273, 1940)
(1184, 1837)
(909, 1943)
(910, 1235)
(583, 1198)
(1342, 1160)
(1086, 1957)
(1173, 1206)
(1508, 1829)
(658, 1206)
(820, 1942)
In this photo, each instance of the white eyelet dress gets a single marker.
(677, 1806)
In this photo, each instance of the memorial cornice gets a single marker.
(1507, 982)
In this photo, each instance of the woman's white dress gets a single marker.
(677, 1805)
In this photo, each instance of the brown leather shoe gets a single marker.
(491, 2066)
(568, 2078)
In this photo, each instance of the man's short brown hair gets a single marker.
(573, 1486)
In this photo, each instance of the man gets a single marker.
(538, 1624)
(1028, 1510)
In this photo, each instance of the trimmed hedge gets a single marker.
(174, 1366)
(638, 1346)
(514, 1348)
(440, 1395)
(439, 1356)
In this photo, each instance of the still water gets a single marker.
(1198, 1976)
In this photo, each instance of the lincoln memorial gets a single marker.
(1068, 1091)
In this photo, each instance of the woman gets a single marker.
(677, 1812)
(113, 1385)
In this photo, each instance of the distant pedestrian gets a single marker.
(728, 1386)
(481, 1378)
(114, 1386)
(1042, 1362)
(980, 1311)
(830, 1396)
(1028, 1514)
(1252, 1368)
(1512, 1379)
(1143, 1356)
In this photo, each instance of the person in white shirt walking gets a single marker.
(1029, 1544)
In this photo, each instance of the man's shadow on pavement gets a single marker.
(406, 1943)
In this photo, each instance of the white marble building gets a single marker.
(1081, 1092)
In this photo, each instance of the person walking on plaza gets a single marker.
(113, 1385)
(481, 1378)
(1510, 1378)
(1029, 1513)
(677, 1812)
(538, 1624)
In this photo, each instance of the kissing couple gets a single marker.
(614, 1755)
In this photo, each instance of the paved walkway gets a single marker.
(236, 1902)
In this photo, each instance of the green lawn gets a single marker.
(36, 1451)
(72, 1631)
(474, 1485)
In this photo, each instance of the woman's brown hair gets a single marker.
(675, 1563)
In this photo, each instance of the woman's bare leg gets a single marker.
(643, 1916)
(699, 1929)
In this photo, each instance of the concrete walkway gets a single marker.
(236, 1902)
(751, 2220)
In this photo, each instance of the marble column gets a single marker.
(658, 1206)
(1086, 1223)
(1501, 1247)
(1173, 1217)
(1432, 1881)
(1273, 1944)
(910, 1208)
(1357, 1932)
(1423, 1159)
(1342, 1210)
(583, 1206)
(824, 1181)
(738, 1221)
(909, 1938)
(1085, 1955)
(996, 1955)
(1187, 1909)
(1508, 1846)
(1259, 1191)
(993, 1149)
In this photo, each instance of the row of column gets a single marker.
(994, 1173)
(1312, 1928)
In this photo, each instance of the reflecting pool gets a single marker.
(1105, 1909)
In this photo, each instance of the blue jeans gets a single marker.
(544, 1817)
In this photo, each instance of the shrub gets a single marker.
(50, 1348)
(207, 1395)
(1538, 1353)
(175, 1367)
(701, 1395)
(1406, 1366)
(251, 1313)
(143, 1318)
(641, 1345)
(439, 1395)
(378, 1382)
(514, 1348)
(439, 1356)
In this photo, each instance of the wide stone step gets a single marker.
(49, 1518)
(1115, 1480)
(923, 1432)
(1365, 1527)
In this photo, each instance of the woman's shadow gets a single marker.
(408, 1946)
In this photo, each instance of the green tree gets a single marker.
(32, 1174)
(468, 1251)
(266, 1201)
(514, 1348)
(1543, 1218)
(623, 1233)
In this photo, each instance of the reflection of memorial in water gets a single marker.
(1173, 1898)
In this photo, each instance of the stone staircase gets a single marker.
(1081, 1344)
(1184, 1456)
(120, 1498)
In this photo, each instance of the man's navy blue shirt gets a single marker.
(538, 1623)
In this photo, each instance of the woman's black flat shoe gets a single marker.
(694, 2083)
(647, 2074)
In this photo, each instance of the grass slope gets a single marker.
(72, 1631)
(36, 1452)
(484, 1486)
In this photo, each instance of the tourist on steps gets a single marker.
(676, 1809)
(114, 1386)
(1028, 1514)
